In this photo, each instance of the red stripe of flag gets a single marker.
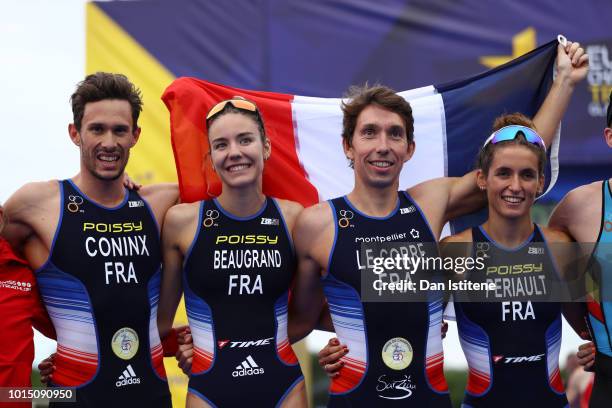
(189, 99)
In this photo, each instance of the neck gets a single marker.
(242, 202)
(508, 232)
(105, 192)
(375, 202)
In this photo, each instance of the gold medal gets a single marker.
(397, 353)
(125, 343)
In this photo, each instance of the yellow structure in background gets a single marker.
(522, 43)
(109, 48)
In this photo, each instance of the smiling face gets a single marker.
(512, 182)
(237, 150)
(379, 147)
(105, 138)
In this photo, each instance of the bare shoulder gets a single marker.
(33, 213)
(313, 234)
(32, 196)
(579, 212)
(37, 191)
(582, 195)
(430, 189)
(180, 226)
(181, 215)
(432, 196)
(554, 235)
(314, 220)
(160, 198)
(162, 194)
(290, 210)
(463, 236)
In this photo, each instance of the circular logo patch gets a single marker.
(125, 343)
(397, 353)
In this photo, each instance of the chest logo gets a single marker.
(415, 233)
(407, 210)
(397, 353)
(345, 218)
(211, 216)
(125, 343)
(136, 204)
(74, 204)
(269, 221)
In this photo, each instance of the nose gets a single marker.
(234, 150)
(515, 183)
(383, 145)
(108, 140)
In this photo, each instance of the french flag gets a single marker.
(451, 121)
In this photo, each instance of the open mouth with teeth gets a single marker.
(513, 199)
(381, 163)
(108, 160)
(238, 167)
(108, 157)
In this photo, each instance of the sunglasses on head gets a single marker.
(237, 102)
(511, 132)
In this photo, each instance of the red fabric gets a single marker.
(20, 308)
(189, 99)
(170, 343)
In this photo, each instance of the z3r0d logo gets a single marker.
(345, 218)
(74, 203)
(211, 216)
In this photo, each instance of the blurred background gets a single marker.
(315, 48)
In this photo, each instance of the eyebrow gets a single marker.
(506, 168)
(224, 139)
(370, 125)
(396, 127)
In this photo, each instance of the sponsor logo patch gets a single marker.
(269, 221)
(397, 353)
(248, 367)
(128, 377)
(125, 343)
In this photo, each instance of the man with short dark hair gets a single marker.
(96, 251)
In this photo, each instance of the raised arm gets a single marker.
(572, 67)
(449, 197)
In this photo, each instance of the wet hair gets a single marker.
(360, 97)
(487, 153)
(255, 116)
(101, 86)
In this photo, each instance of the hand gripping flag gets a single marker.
(307, 164)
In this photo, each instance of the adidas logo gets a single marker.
(247, 367)
(127, 378)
